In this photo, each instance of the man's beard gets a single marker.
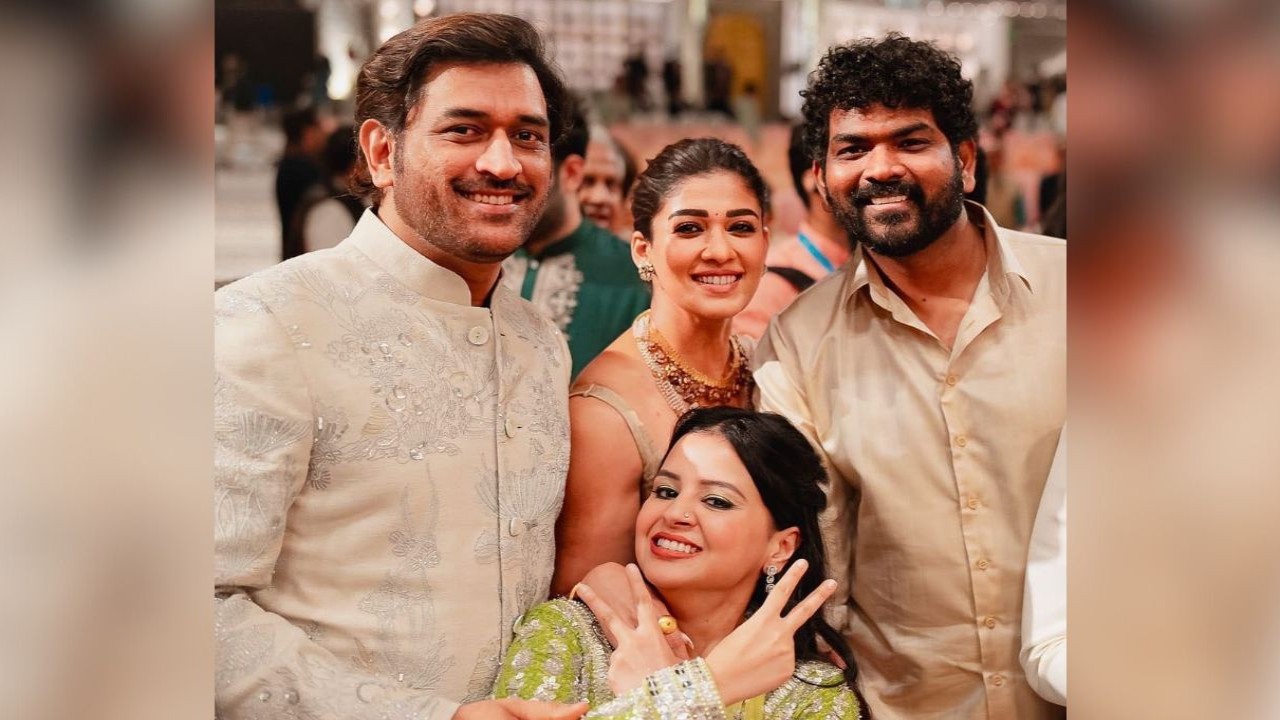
(425, 204)
(935, 216)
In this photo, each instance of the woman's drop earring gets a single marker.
(769, 573)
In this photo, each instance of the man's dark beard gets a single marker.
(936, 215)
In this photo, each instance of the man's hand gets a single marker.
(517, 709)
(613, 591)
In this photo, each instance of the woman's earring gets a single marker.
(769, 574)
(646, 272)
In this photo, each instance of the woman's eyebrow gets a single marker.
(720, 483)
(695, 213)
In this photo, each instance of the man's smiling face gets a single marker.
(472, 166)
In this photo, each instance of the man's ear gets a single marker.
(967, 151)
(378, 146)
(571, 174)
(819, 175)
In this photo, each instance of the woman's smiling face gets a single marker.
(708, 246)
(704, 526)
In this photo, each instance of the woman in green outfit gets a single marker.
(729, 539)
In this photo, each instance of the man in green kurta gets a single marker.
(576, 273)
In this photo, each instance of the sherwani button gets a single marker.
(479, 335)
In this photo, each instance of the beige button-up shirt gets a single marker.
(389, 464)
(938, 459)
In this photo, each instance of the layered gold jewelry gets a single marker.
(684, 387)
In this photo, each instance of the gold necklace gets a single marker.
(682, 387)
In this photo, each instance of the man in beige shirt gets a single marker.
(391, 424)
(931, 373)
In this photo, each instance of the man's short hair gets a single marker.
(896, 72)
(391, 80)
(576, 136)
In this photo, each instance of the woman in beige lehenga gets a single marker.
(700, 239)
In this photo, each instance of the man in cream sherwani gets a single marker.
(391, 423)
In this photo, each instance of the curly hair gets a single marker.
(896, 72)
(682, 160)
(390, 82)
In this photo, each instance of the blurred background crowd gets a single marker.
(650, 72)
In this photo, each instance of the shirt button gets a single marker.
(510, 427)
(960, 439)
(990, 622)
(952, 380)
(983, 564)
(516, 527)
(479, 335)
(997, 680)
(972, 503)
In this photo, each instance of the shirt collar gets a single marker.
(373, 238)
(1002, 262)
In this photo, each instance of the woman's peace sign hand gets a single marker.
(759, 655)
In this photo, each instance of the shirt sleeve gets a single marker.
(780, 390)
(544, 659)
(265, 666)
(1044, 605)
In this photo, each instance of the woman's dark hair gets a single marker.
(896, 72)
(682, 160)
(789, 476)
(390, 82)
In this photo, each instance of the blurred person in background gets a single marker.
(796, 263)
(574, 271)
(700, 239)
(746, 108)
(607, 175)
(297, 173)
(328, 211)
(930, 371)
(717, 76)
(635, 72)
(390, 422)
(672, 84)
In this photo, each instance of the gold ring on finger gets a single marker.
(667, 624)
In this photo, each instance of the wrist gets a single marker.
(726, 678)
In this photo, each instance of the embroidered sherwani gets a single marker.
(389, 465)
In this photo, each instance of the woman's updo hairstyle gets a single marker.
(685, 159)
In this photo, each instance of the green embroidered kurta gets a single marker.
(586, 283)
(560, 654)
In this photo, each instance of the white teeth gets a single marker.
(676, 546)
(716, 279)
(490, 199)
(887, 200)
